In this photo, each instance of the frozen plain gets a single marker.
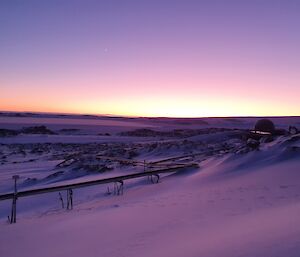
(239, 202)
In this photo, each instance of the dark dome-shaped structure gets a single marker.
(264, 125)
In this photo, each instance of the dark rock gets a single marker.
(37, 130)
(252, 143)
(8, 133)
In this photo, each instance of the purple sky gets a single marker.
(151, 58)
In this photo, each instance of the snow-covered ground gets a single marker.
(241, 201)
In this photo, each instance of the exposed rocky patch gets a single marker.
(69, 131)
(72, 160)
(179, 133)
(8, 132)
(37, 130)
(26, 130)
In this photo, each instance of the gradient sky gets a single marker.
(151, 58)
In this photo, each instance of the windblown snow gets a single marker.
(241, 201)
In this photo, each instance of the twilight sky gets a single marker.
(151, 58)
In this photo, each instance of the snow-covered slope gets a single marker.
(236, 204)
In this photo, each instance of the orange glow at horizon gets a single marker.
(155, 107)
(169, 95)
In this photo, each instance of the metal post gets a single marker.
(13, 217)
(115, 188)
(118, 188)
(69, 199)
(62, 200)
(157, 178)
(121, 187)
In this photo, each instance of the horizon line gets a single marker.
(157, 117)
